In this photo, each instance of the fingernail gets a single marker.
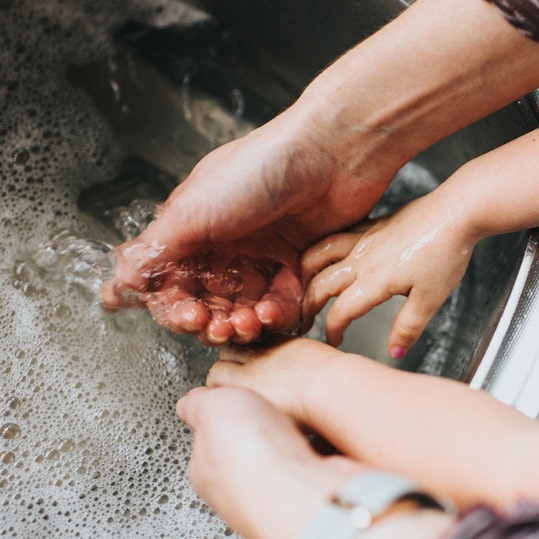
(398, 352)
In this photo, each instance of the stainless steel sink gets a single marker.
(108, 101)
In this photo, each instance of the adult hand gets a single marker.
(376, 414)
(322, 165)
(222, 258)
(253, 466)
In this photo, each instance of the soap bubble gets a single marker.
(89, 444)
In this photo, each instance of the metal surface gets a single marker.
(509, 369)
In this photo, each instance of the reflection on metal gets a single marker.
(509, 369)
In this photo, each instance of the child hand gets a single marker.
(421, 252)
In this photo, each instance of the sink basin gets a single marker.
(105, 107)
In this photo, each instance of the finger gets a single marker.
(278, 313)
(225, 373)
(411, 321)
(188, 408)
(177, 310)
(279, 309)
(136, 262)
(246, 325)
(187, 316)
(325, 252)
(353, 303)
(219, 330)
(327, 284)
(112, 299)
(208, 407)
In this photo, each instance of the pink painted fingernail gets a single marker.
(398, 352)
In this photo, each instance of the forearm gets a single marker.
(497, 192)
(435, 69)
(485, 446)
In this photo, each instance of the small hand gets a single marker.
(421, 252)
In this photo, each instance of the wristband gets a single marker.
(362, 500)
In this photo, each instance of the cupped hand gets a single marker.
(422, 252)
(243, 218)
(253, 466)
(230, 292)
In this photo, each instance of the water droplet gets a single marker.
(66, 445)
(10, 431)
(116, 90)
(162, 499)
(14, 403)
(61, 310)
(53, 454)
(7, 457)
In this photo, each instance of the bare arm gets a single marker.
(450, 439)
(423, 250)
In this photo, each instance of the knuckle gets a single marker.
(410, 333)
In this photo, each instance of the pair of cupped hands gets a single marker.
(265, 231)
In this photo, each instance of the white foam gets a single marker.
(100, 451)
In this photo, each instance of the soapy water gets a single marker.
(89, 442)
(89, 423)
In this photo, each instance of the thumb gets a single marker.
(191, 406)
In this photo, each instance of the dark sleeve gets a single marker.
(522, 522)
(523, 14)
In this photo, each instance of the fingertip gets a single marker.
(180, 408)
(334, 337)
(188, 316)
(246, 325)
(411, 321)
(109, 300)
(307, 266)
(219, 330)
(270, 314)
(185, 406)
(398, 352)
(223, 373)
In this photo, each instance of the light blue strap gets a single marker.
(333, 522)
(360, 500)
(375, 490)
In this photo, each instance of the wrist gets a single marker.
(456, 206)
(343, 123)
(369, 505)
